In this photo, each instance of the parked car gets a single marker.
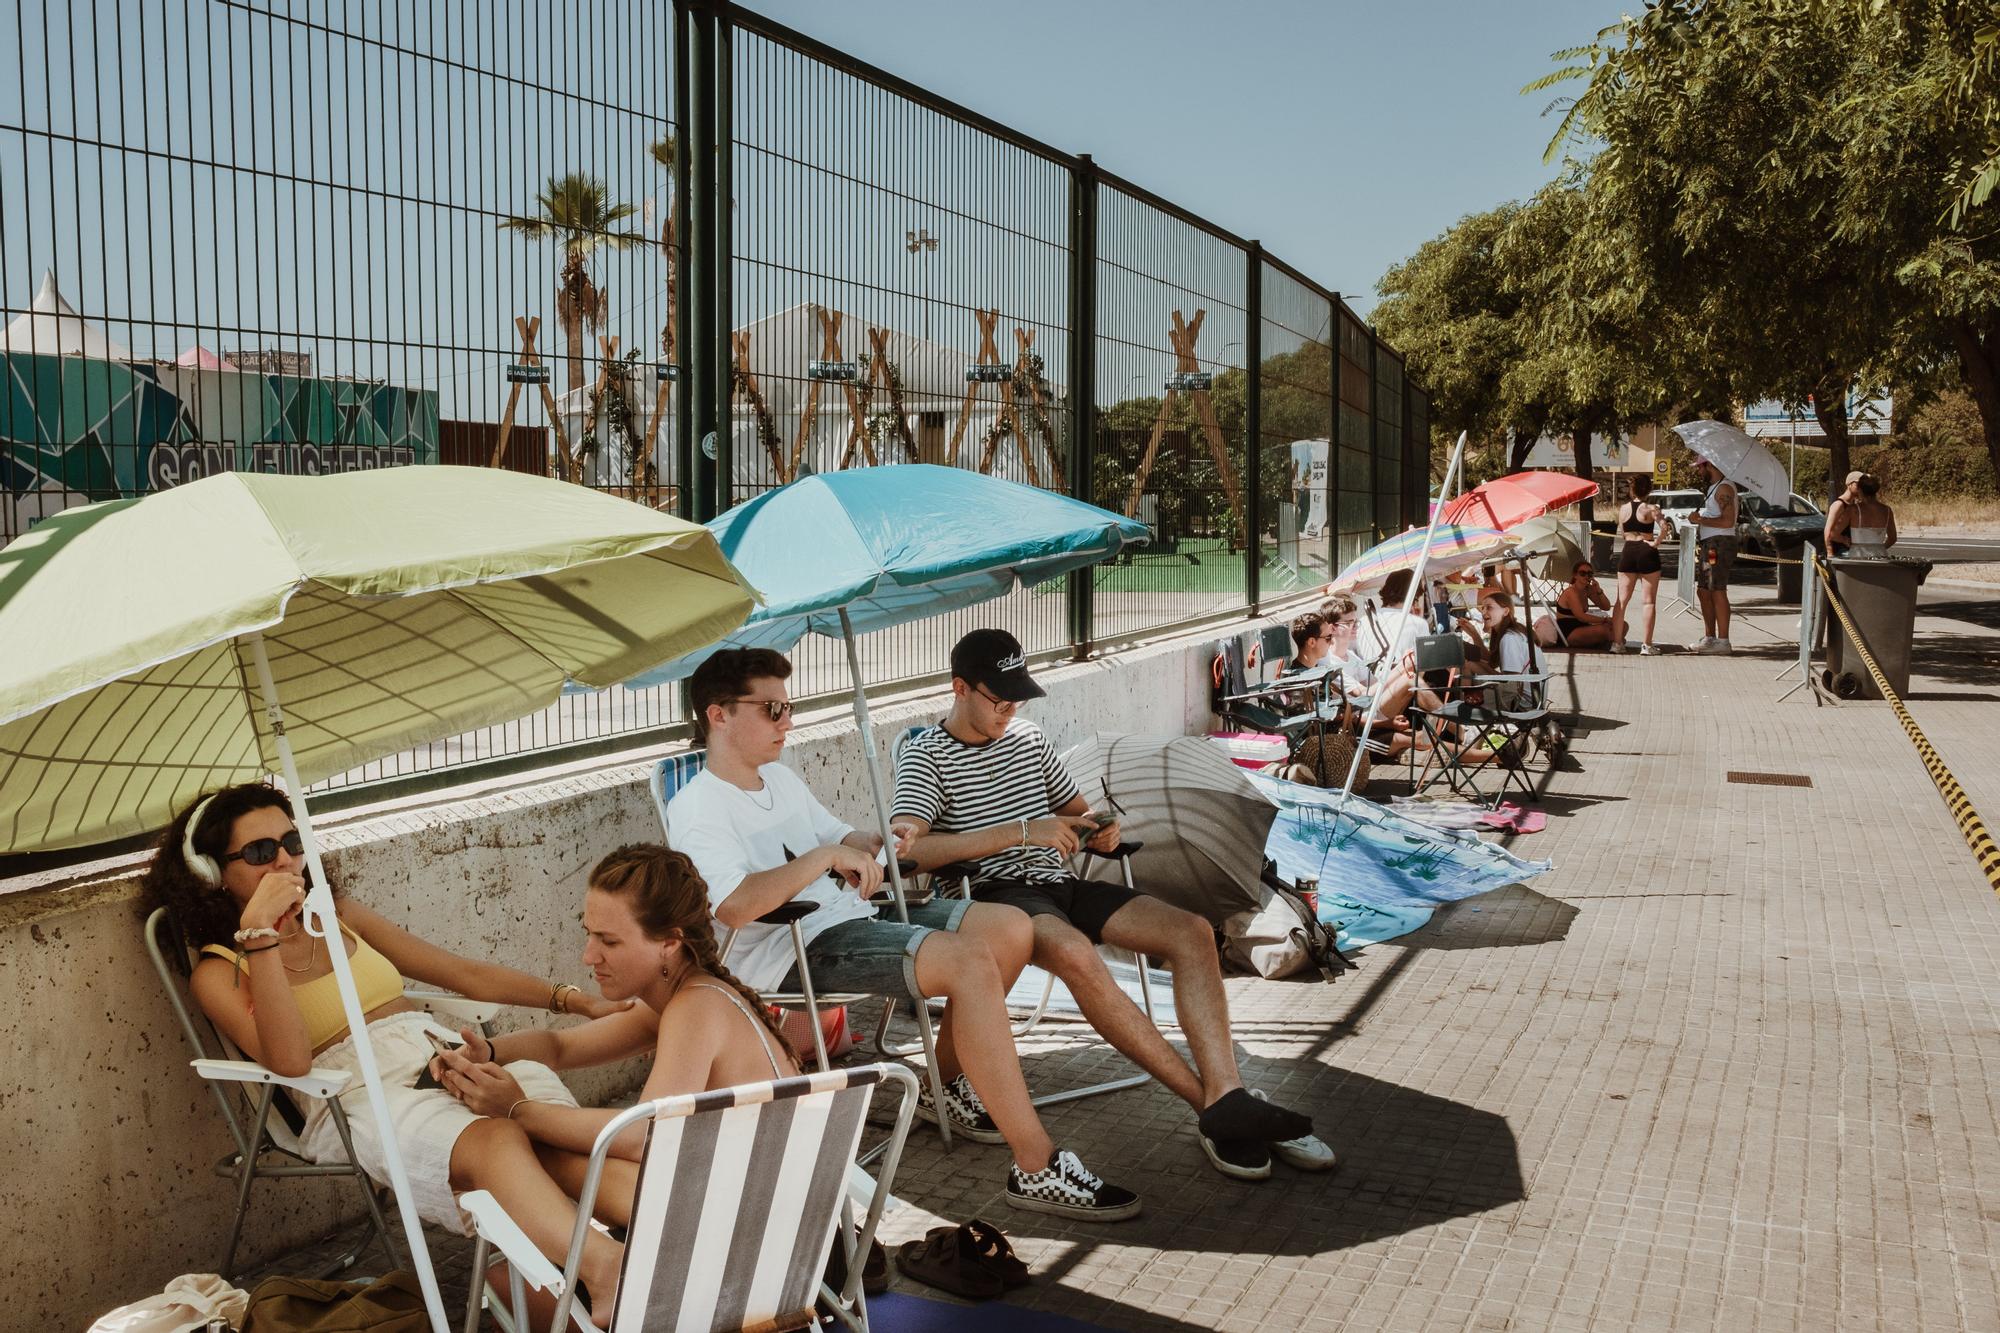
(1762, 527)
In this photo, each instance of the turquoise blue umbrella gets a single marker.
(852, 552)
(847, 553)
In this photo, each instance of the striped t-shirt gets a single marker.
(956, 788)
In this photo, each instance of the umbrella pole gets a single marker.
(319, 908)
(1451, 474)
(873, 758)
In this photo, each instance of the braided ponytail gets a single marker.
(668, 897)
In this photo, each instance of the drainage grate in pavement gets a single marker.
(1769, 779)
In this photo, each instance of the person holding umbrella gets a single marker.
(1715, 556)
(986, 787)
(231, 872)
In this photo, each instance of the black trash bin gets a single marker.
(1880, 595)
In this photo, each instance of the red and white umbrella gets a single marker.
(1505, 501)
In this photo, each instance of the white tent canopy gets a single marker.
(52, 327)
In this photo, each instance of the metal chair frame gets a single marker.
(528, 1266)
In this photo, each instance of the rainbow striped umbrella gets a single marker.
(1452, 547)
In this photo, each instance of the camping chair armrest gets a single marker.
(314, 1083)
(458, 1008)
(960, 871)
(1512, 678)
(500, 1230)
(1126, 848)
(786, 913)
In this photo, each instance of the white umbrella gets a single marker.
(1738, 457)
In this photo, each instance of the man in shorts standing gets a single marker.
(760, 840)
(986, 788)
(1714, 556)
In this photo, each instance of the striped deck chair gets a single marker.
(741, 1197)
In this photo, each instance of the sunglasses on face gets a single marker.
(263, 851)
(775, 709)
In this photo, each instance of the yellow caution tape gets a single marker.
(1970, 825)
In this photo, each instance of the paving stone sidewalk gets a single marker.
(1732, 1064)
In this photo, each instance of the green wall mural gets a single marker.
(76, 429)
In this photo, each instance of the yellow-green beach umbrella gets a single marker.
(396, 606)
(247, 624)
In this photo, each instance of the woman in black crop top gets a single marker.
(1642, 525)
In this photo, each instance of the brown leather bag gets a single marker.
(389, 1304)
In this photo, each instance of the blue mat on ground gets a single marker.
(900, 1312)
(1380, 874)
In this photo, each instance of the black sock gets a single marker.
(1238, 1115)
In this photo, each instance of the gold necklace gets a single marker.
(312, 953)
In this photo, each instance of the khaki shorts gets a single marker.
(1714, 558)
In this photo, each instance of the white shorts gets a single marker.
(428, 1122)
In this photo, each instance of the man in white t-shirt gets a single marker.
(985, 788)
(762, 842)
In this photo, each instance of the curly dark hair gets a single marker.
(201, 913)
(667, 895)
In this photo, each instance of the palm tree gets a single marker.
(663, 154)
(577, 211)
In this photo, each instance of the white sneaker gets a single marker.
(1648, 650)
(1701, 645)
(1714, 648)
(1620, 647)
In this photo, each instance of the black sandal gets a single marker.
(874, 1269)
(942, 1260)
(989, 1247)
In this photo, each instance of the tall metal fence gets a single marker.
(677, 252)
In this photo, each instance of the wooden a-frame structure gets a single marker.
(1182, 336)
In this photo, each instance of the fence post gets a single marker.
(685, 444)
(703, 441)
(724, 239)
(1253, 423)
(1082, 382)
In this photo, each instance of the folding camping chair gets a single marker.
(669, 775)
(267, 1144)
(956, 882)
(1246, 707)
(1461, 724)
(742, 1193)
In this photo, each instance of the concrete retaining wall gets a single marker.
(109, 1137)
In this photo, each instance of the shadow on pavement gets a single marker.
(1409, 1160)
(1961, 659)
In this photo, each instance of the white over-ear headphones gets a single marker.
(203, 867)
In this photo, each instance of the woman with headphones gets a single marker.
(231, 874)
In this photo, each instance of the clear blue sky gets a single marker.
(1341, 134)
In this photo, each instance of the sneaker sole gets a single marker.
(1079, 1212)
(961, 1130)
(1229, 1168)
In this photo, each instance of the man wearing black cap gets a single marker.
(986, 788)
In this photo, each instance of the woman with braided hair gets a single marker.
(650, 938)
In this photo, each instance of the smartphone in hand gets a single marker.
(428, 1078)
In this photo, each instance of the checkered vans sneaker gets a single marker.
(962, 1105)
(1067, 1189)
